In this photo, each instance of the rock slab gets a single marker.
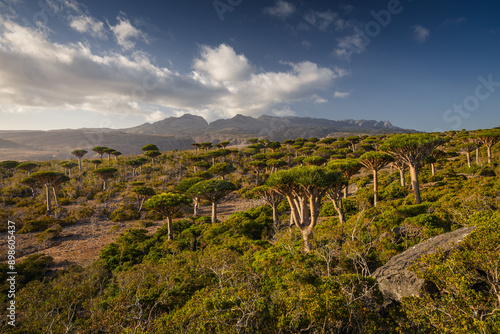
(394, 278)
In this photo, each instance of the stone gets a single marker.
(396, 281)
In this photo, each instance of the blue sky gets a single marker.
(426, 65)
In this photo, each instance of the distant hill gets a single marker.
(179, 133)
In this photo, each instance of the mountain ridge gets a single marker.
(179, 133)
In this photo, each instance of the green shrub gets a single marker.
(124, 213)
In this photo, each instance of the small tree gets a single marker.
(412, 150)
(167, 204)
(224, 144)
(348, 167)
(68, 166)
(30, 183)
(143, 193)
(96, 163)
(489, 138)
(9, 165)
(152, 154)
(184, 186)
(27, 167)
(221, 169)
(275, 164)
(100, 150)
(272, 198)
(258, 167)
(375, 161)
(48, 179)
(134, 164)
(314, 160)
(79, 154)
(149, 147)
(109, 151)
(213, 191)
(116, 154)
(105, 173)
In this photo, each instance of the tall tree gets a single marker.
(375, 161)
(79, 154)
(213, 191)
(467, 148)
(105, 173)
(489, 138)
(167, 204)
(412, 150)
(27, 167)
(58, 182)
(304, 187)
(48, 179)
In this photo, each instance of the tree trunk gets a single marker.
(170, 228)
(47, 192)
(488, 149)
(275, 214)
(214, 212)
(402, 177)
(346, 190)
(375, 188)
(414, 183)
(79, 164)
(196, 206)
(257, 180)
(306, 234)
(104, 185)
(55, 197)
(433, 169)
(468, 159)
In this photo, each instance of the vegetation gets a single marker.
(285, 249)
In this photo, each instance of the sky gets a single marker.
(420, 64)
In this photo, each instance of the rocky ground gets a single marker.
(80, 243)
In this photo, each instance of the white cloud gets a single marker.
(37, 74)
(87, 24)
(341, 95)
(281, 9)
(125, 33)
(350, 44)
(223, 64)
(420, 33)
(156, 116)
(323, 20)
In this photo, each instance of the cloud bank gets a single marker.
(39, 74)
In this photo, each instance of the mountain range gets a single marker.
(179, 133)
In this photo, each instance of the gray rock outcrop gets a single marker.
(396, 281)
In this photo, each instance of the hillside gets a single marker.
(196, 241)
(179, 133)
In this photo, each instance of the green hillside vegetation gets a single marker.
(301, 262)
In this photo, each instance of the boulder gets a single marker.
(394, 278)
